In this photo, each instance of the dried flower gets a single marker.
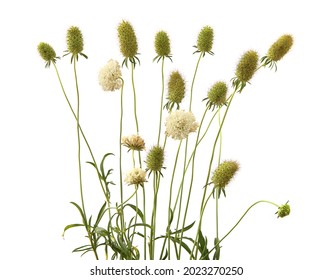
(217, 95)
(247, 66)
(136, 176)
(284, 210)
(205, 40)
(110, 76)
(162, 44)
(224, 173)
(176, 90)
(133, 142)
(280, 48)
(47, 53)
(155, 158)
(128, 42)
(179, 124)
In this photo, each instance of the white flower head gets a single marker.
(179, 124)
(136, 176)
(109, 76)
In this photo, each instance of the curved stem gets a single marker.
(195, 74)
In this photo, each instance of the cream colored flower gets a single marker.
(179, 124)
(136, 176)
(133, 142)
(109, 76)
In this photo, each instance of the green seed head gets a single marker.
(247, 66)
(155, 159)
(74, 40)
(205, 39)
(217, 94)
(284, 210)
(279, 49)
(176, 87)
(162, 44)
(127, 40)
(46, 52)
(224, 173)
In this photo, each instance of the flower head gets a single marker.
(128, 42)
(280, 48)
(224, 173)
(155, 159)
(284, 210)
(247, 66)
(179, 124)
(176, 90)
(110, 76)
(205, 40)
(47, 53)
(162, 44)
(74, 43)
(133, 142)
(136, 176)
(217, 95)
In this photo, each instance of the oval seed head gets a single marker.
(224, 173)
(162, 44)
(74, 40)
(217, 94)
(284, 210)
(127, 40)
(280, 48)
(247, 66)
(205, 39)
(46, 52)
(155, 159)
(176, 87)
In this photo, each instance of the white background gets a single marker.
(279, 129)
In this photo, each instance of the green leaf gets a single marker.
(81, 213)
(100, 214)
(71, 226)
(137, 210)
(185, 228)
(217, 249)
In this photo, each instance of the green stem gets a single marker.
(120, 156)
(153, 217)
(161, 105)
(195, 73)
(241, 218)
(144, 222)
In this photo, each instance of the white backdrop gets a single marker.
(279, 129)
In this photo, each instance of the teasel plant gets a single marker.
(128, 227)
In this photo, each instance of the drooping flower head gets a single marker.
(217, 94)
(176, 90)
(162, 45)
(224, 173)
(109, 76)
(155, 159)
(133, 142)
(283, 211)
(179, 124)
(205, 40)
(127, 42)
(47, 53)
(135, 176)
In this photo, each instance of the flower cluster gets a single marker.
(179, 124)
(109, 76)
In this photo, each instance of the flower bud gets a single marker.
(74, 40)
(133, 142)
(162, 44)
(155, 159)
(224, 173)
(127, 40)
(217, 94)
(46, 52)
(247, 66)
(205, 39)
(284, 210)
(176, 87)
(279, 49)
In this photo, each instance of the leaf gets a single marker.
(102, 163)
(81, 212)
(137, 210)
(217, 249)
(185, 228)
(71, 226)
(203, 246)
(100, 214)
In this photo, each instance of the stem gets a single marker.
(153, 217)
(144, 222)
(120, 156)
(241, 218)
(195, 73)
(161, 105)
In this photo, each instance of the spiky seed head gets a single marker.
(74, 40)
(46, 52)
(284, 210)
(205, 39)
(280, 48)
(176, 87)
(224, 173)
(155, 158)
(162, 44)
(217, 94)
(127, 40)
(247, 66)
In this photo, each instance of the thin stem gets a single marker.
(120, 155)
(241, 218)
(195, 73)
(161, 105)
(144, 222)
